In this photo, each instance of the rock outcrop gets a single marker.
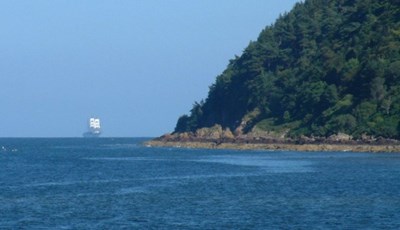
(217, 135)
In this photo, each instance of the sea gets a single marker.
(120, 183)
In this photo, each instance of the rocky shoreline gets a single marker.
(217, 138)
(278, 146)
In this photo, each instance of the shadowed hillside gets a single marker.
(324, 68)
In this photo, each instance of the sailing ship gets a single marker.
(94, 128)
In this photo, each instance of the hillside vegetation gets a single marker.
(326, 67)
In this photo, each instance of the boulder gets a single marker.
(340, 137)
(211, 133)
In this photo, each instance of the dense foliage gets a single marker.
(327, 66)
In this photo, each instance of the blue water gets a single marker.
(119, 184)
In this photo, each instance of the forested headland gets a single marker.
(325, 68)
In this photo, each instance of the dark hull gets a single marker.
(91, 135)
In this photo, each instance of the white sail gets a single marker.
(94, 128)
(94, 123)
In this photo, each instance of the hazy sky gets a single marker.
(136, 64)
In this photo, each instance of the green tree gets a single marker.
(378, 89)
(326, 66)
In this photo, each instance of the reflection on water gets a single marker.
(266, 163)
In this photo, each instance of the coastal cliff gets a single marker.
(325, 74)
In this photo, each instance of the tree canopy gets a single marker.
(323, 68)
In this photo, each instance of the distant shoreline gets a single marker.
(323, 147)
